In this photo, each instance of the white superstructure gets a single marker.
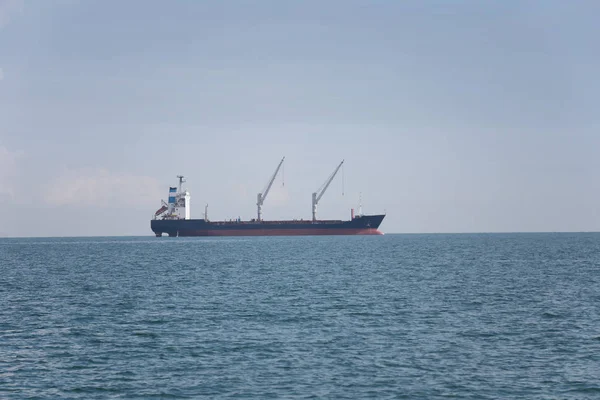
(178, 204)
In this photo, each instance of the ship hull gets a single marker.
(364, 225)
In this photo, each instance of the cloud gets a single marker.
(1, 74)
(101, 188)
(9, 8)
(8, 171)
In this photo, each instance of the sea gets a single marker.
(462, 316)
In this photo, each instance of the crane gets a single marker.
(321, 191)
(260, 199)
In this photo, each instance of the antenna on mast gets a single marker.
(181, 180)
(360, 204)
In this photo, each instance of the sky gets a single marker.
(451, 116)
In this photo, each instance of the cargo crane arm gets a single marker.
(260, 199)
(321, 191)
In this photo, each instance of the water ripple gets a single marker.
(398, 316)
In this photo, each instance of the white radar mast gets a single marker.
(181, 180)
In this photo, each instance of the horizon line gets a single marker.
(385, 233)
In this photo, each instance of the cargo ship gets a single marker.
(173, 218)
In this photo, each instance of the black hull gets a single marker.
(363, 225)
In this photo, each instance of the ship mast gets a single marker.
(360, 204)
(321, 191)
(260, 198)
(181, 180)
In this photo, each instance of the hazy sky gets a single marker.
(452, 116)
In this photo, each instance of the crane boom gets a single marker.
(260, 198)
(319, 193)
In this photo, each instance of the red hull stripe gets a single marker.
(281, 232)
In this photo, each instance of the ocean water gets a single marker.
(400, 316)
